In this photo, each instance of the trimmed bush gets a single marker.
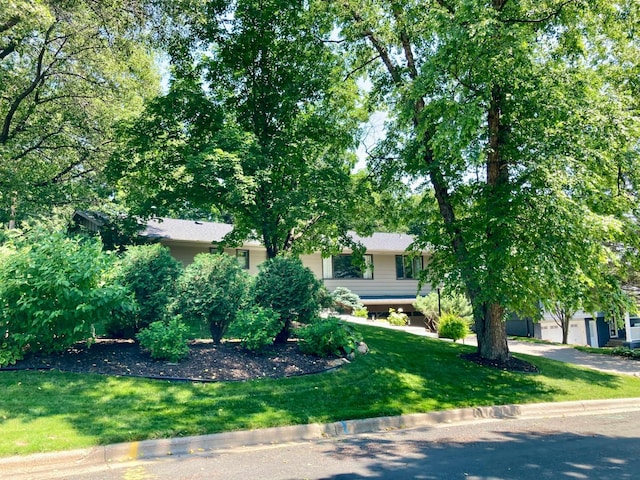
(150, 273)
(53, 289)
(453, 327)
(345, 300)
(398, 318)
(361, 313)
(256, 328)
(330, 336)
(165, 340)
(289, 288)
(211, 291)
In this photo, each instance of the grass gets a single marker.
(49, 411)
(598, 350)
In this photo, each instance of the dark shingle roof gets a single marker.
(211, 232)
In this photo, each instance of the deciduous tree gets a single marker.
(68, 71)
(259, 124)
(521, 117)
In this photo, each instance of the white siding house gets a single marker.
(387, 282)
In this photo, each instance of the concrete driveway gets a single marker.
(564, 353)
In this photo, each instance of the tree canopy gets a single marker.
(522, 117)
(68, 71)
(260, 124)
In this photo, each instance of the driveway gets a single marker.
(564, 353)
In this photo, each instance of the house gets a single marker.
(389, 281)
(592, 329)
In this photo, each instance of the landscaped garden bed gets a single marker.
(206, 361)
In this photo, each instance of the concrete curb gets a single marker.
(46, 465)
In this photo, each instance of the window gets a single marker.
(243, 258)
(408, 267)
(342, 266)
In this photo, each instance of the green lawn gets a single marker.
(47, 411)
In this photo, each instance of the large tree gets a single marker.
(68, 71)
(520, 116)
(258, 123)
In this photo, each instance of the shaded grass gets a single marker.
(48, 411)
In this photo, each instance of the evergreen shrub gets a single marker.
(286, 286)
(211, 291)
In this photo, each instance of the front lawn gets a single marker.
(48, 411)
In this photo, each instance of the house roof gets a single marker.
(188, 230)
(212, 232)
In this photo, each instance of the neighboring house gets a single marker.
(389, 281)
(584, 329)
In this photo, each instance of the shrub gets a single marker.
(150, 273)
(165, 340)
(329, 336)
(453, 327)
(361, 312)
(430, 306)
(289, 288)
(345, 301)
(256, 328)
(211, 291)
(53, 289)
(625, 352)
(398, 318)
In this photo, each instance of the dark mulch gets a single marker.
(512, 365)
(206, 362)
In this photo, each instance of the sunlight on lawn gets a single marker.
(47, 411)
(21, 436)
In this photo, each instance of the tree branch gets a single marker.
(39, 75)
(546, 18)
(357, 69)
(406, 44)
(8, 50)
(12, 22)
(38, 145)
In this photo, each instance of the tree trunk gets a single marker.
(12, 219)
(489, 318)
(284, 334)
(492, 333)
(566, 318)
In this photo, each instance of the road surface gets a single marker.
(603, 446)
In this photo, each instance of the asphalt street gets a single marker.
(603, 446)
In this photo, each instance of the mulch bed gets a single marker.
(512, 365)
(206, 362)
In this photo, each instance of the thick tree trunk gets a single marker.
(489, 317)
(491, 333)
